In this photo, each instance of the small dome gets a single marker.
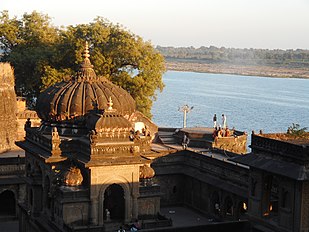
(109, 121)
(146, 172)
(84, 92)
(73, 177)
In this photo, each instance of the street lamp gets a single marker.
(185, 109)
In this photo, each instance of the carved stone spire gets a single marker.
(85, 72)
(86, 63)
(110, 104)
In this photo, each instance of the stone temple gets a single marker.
(84, 162)
(94, 163)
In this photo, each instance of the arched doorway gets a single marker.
(242, 210)
(114, 203)
(8, 203)
(215, 203)
(229, 207)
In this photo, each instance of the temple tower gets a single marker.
(8, 121)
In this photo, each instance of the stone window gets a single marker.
(270, 196)
(285, 201)
(253, 186)
(31, 197)
(174, 189)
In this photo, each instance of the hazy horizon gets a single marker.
(258, 24)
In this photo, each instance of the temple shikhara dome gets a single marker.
(85, 91)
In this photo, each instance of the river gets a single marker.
(249, 102)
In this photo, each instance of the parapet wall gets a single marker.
(277, 145)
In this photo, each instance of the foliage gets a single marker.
(28, 45)
(291, 58)
(296, 131)
(42, 55)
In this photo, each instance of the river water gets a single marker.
(249, 102)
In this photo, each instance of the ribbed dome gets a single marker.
(84, 92)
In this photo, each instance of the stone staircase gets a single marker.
(166, 137)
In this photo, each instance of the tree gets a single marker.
(28, 45)
(296, 131)
(42, 55)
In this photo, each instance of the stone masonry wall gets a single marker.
(305, 207)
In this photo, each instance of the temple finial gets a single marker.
(85, 72)
(86, 51)
(110, 104)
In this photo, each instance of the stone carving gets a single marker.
(93, 137)
(111, 150)
(55, 143)
(135, 149)
(73, 177)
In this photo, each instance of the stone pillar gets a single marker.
(22, 193)
(37, 199)
(94, 212)
(134, 206)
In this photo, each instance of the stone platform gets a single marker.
(203, 137)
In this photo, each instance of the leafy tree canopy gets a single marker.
(43, 54)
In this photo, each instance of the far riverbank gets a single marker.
(245, 70)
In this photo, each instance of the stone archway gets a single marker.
(114, 202)
(8, 204)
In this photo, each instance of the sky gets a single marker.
(269, 24)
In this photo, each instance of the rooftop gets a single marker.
(13, 153)
(302, 139)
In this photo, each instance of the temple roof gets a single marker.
(84, 92)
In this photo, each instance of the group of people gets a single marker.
(216, 125)
(137, 134)
(221, 131)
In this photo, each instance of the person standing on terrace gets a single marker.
(223, 121)
(215, 121)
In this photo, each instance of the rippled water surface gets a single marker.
(250, 103)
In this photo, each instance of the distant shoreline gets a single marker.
(244, 70)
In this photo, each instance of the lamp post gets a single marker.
(185, 109)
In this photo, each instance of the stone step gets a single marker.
(112, 226)
(168, 140)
